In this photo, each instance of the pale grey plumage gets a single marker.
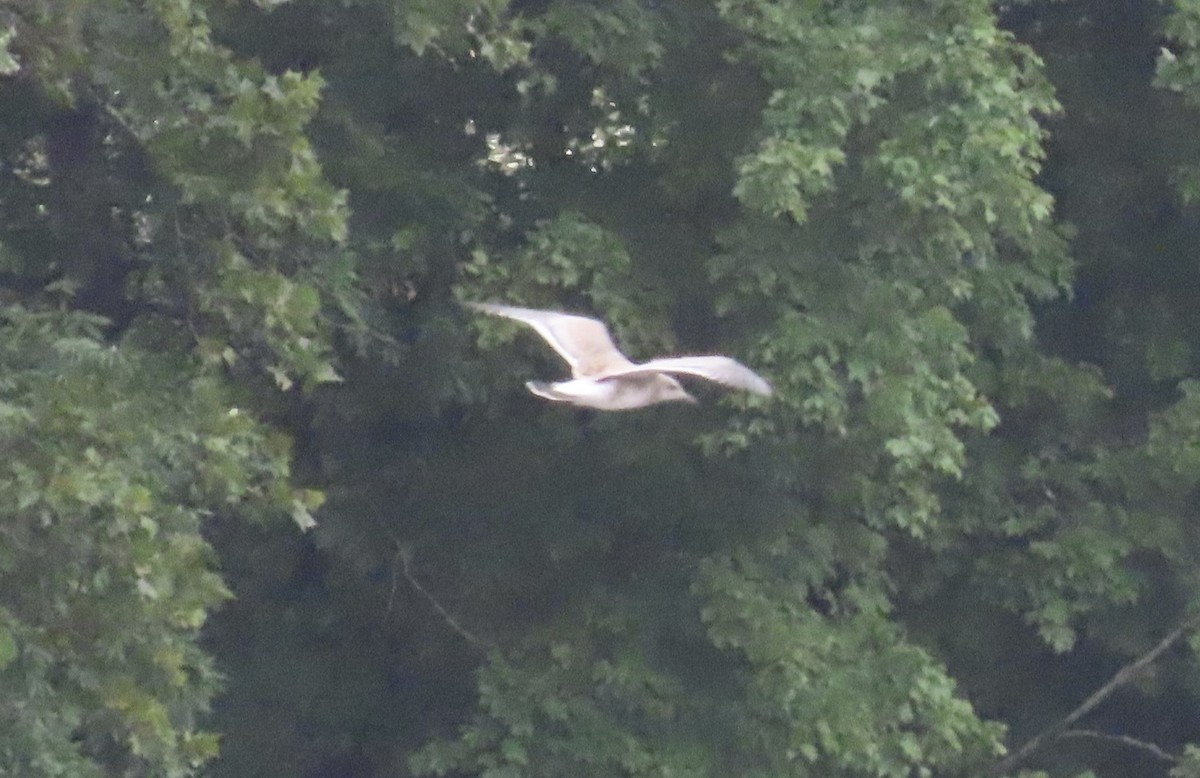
(604, 378)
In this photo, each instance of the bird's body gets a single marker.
(603, 378)
(612, 394)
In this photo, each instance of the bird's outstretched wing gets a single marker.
(722, 370)
(583, 342)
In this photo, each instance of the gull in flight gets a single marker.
(603, 378)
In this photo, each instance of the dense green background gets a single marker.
(959, 237)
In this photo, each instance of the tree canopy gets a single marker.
(275, 503)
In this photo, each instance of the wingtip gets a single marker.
(495, 309)
(499, 309)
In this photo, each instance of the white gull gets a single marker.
(603, 378)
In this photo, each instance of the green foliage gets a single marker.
(153, 176)
(234, 174)
(624, 37)
(227, 226)
(1189, 765)
(571, 256)
(561, 710)
(836, 693)
(458, 28)
(1178, 69)
(8, 64)
(915, 110)
(114, 457)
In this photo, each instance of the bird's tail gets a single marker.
(546, 390)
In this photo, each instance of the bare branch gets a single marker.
(395, 579)
(404, 557)
(1122, 677)
(1125, 740)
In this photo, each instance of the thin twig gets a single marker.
(1132, 742)
(1122, 677)
(395, 579)
(404, 557)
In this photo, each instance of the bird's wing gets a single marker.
(584, 343)
(723, 370)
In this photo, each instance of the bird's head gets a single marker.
(671, 390)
